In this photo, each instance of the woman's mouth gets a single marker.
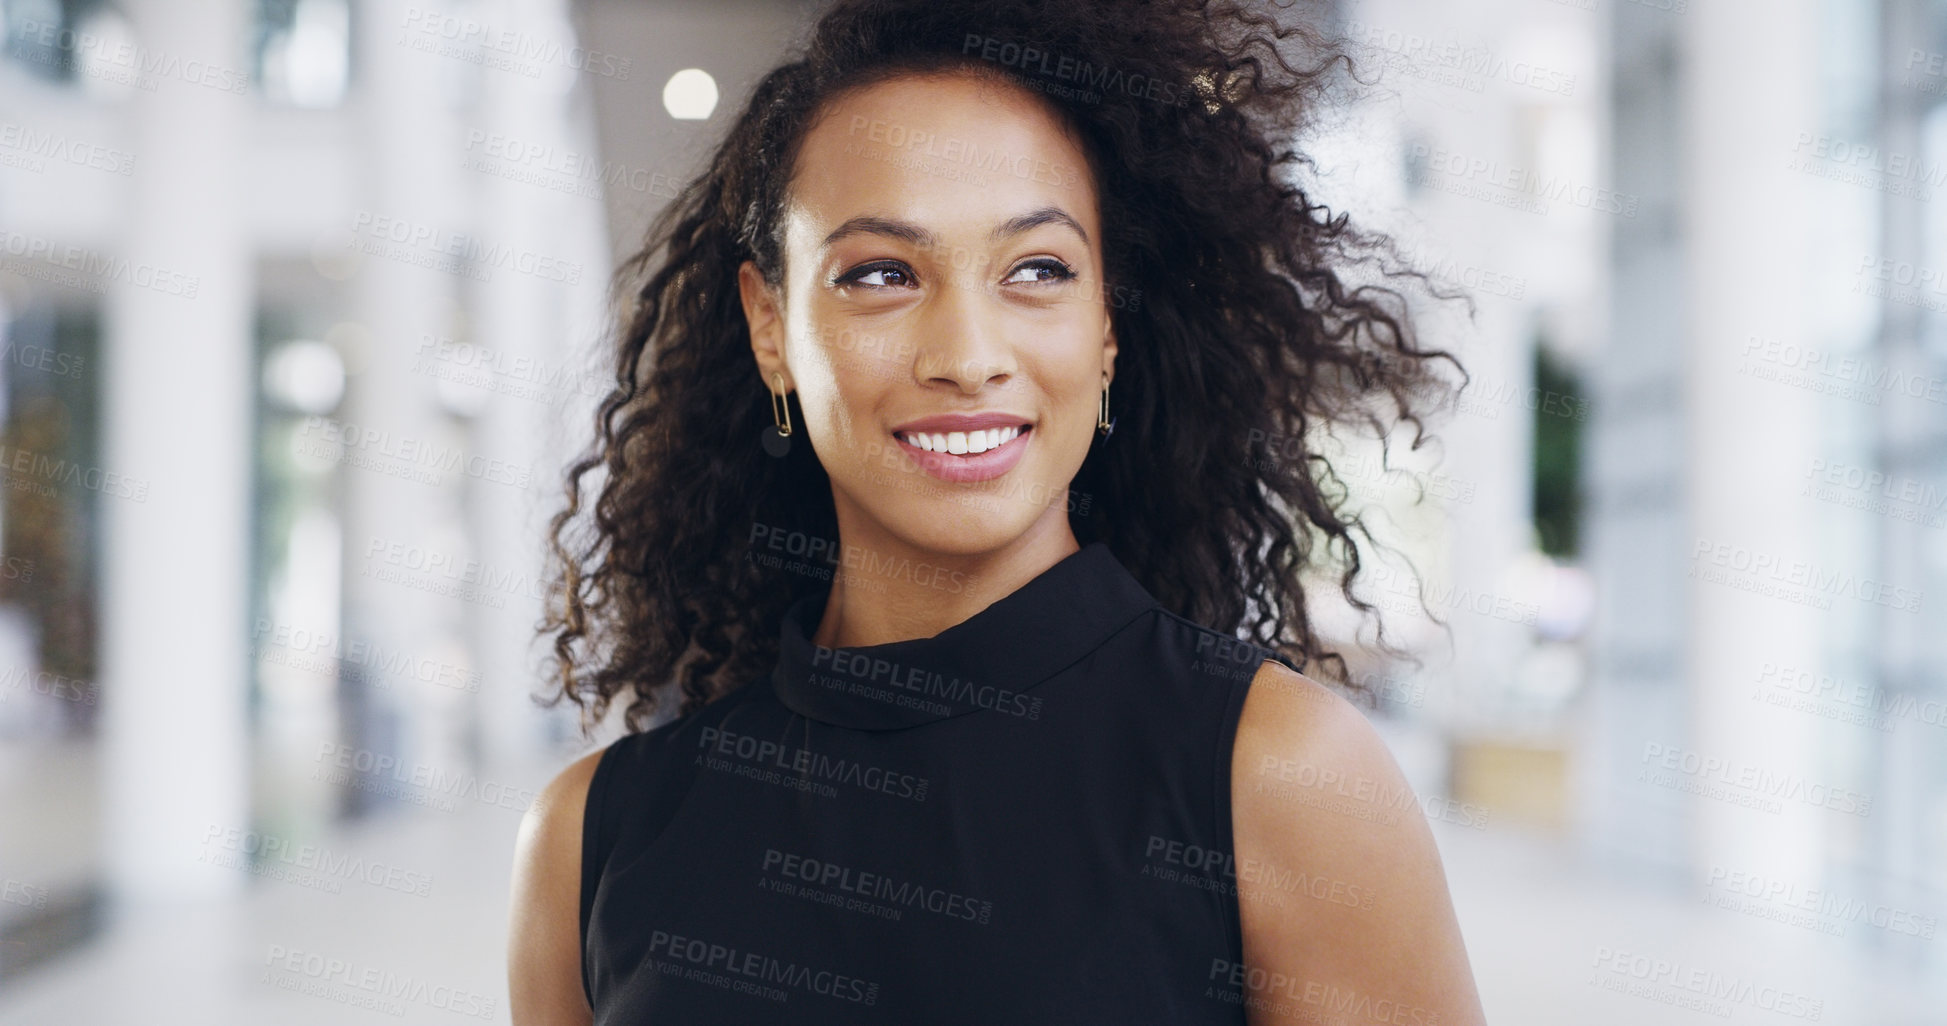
(961, 443)
(966, 455)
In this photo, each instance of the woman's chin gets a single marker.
(958, 532)
(963, 526)
(950, 519)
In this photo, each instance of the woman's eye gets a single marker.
(1046, 269)
(878, 276)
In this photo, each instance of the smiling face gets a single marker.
(942, 315)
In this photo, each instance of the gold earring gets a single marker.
(780, 407)
(1103, 422)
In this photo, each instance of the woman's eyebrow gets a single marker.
(905, 231)
(872, 224)
(1035, 219)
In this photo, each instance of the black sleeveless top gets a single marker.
(1022, 819)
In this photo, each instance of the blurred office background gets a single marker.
(299, 303)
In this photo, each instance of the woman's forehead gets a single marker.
(954, 153)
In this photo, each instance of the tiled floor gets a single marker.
(294, 953)
(1548, 935)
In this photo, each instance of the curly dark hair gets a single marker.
(1250, 324)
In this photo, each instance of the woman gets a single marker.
(966, 733)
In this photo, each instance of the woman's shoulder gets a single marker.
(1320, 805)
(562, 801)
(569, 831)
(636, 767)
(1288, 714)
(646, 759)
(544, 947)
(1204, 655)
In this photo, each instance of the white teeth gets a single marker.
(992, 438)
(963, 443)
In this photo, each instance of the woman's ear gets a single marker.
(763, 315)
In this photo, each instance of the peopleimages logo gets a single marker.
(112, 59)
(416, 782)
(420, 459)
(1072, 69)
(1428, 160)
(1813, 908)
(858, 558)
(1448, 62)
(962, 151)
(853, 667)
(92, 270)
(1333, 1004)
(1212, 869)
(1834, 697)
(1793, 580)
(788, 869)
(280, 858)
(26, 895)
(40, 147)
(363, 985)
(1728, 780)
(761, 969)
(506, 49)
(328, 652)
(763, 755)
(1699, 989)
(427, 245)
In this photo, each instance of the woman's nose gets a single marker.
(964, 341)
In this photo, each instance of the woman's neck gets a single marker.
(885, 590)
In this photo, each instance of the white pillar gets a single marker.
(540, 330)
(177, 377)
(1751, 86)
(403, 549)
(1908, 649)
(1637, 532)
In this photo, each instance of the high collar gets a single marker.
(984, 662)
